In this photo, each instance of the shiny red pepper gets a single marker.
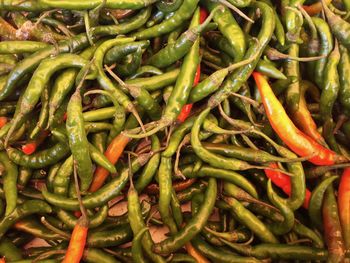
(3, 121)
(31, 146)
(295, 139)
(187, 108)
(283, 181)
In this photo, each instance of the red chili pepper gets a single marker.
(283, 181)
(64, 116)
(295, 139)
(3, 121)
(185, 112)
(77, 214)
(31, 146)
(344, 206)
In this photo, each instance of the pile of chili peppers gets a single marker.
(223, 126)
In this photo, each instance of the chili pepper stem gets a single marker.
(132, 110)
(54, 229)
(235, 9)
(274, 54)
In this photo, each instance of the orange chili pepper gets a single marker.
(178, 186)
(77, 241)
(315, 8)
(113, 153)
(31, 146)
(295, 139)
(195, 254)
(185, 112)
(79, 235)
(283, 181)
(303, 119)
(344, 206)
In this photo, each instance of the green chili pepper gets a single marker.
(32, 226)
(187, 194)
(268, 69)
(40, 159)
(339, 27)
(37, 83)
(146, 70)
(78, 142)
(27, 208)
(131, 24)
(64, 83)
(194, 226)
(240, 76)
(304, 231)
(120, 51)
(10, 183)
(229, 176)
(77, 5)
(151, 167)
(250, 220)
(103, 195)
(182, 14)
(213, 159)
(30, 63)
(229, 28)
(219, 256)
(182, 258)
(9, 250)
(94, 221)
(175, 51)
(288, 221)
(317, 199)
(100, 159)
(99, 140)
(61, 181)
(165, 189)
(279, 251)
(16, 47)
(344, 78)
(329, 95)
(155, 82)
(110, 238)
(93, 255)
(326, 48)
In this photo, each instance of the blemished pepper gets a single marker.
(339, 27)
(332, 227)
